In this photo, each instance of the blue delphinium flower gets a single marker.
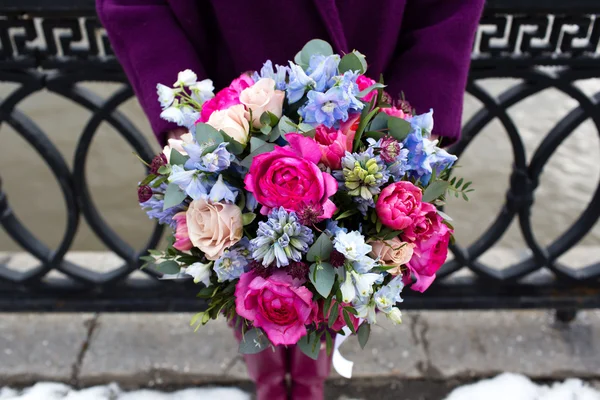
(279, 74)
(221, 191)
(332, 228)
(423, 122)
(218, 160)
(365, 307)
(347, 82)
(231, 265)
(182, 116)
(325, 108)
(387, 297)
(191, 182)
(281, 239)
(362, 174)
(154, 209)
(322, 69)
(424, 156)
(299, 83)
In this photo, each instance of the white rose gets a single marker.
(186, 78)
(262, 97)
(177, 144)
(232, 121)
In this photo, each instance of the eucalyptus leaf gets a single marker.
(266, 148)
(398, 128)
(255, 143)
(169, 267)
(254, 341)
(233, 146)
(265, 129)
(286, 125)
(352, 62)
(274, 134)
(173, 196)
(380, 122)
(208, 137)
(363, 334)
(435, 190)
(374, 135)
(321, 249)
(265, 119)
(368, 90)
(314, 47)
(177, 158)
(310, 345)
(322, 276)
(444, 215)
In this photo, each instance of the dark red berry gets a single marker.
(144, 193)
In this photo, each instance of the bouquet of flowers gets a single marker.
(303, 198)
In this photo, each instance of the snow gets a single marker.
(519, 387)
(506, 386)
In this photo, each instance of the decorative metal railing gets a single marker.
(55, 46)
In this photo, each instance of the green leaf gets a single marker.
(460, 181)
(164, 169)
(265, 129)
(365, 117)
(310, 346)
(266, 148)
(364, 331)
(286, 125)
(467, 185)
(328, 342)
(435, 190)
(157, 182)
(380, 122)
(353, 62)
(333, 315)
(195, 318)
(255, 143)
(247, 218)
(378, 225)
(177, 158)
(265, 119)
(444, 215)
(173, 196)
(234, 147)
(346, 214)
(348, 320)
(254, 341)
(392, 235)
(320, 249)
(315, 46)
(147, 180)
(399, 128)
(207, 137)
(169, 267)
(322, 276)
(327, 306)
(374, 135)
(368, 90)
(298, 60)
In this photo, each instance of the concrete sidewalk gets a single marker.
(161, 350)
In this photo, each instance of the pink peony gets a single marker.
(363, 83)
(278, 304)
(230, 96)
(425, 224)
(395, 112)
(333, 144)
(288, 177)
(340, 322)
(428, 257)
(399, 204)
(182, 237)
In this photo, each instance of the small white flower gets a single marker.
(364, 283)
(200, 272)
(166, 95)
(202, 91)
(347, 289)
(352, 245)
(366, 310)
(173, 114)
(186, 78)
(395, 316)
(364, 264)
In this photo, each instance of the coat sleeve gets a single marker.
(151, 47)
(433, 57)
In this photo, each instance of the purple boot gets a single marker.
(308, 375)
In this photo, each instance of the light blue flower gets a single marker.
(365, 307)
(424, 122)
(251, 202)
(363, 205)
(424, 156)
(332, 228)
(352, 245)
(215, 161)
(299, 83)
(387, 297)
(325, 108)
(347, 82)
(154, 208)
(364, 264)
(281, 239)
(191, 182)
(221, 191)
(279, 75)
(231, 265)
(322, 69)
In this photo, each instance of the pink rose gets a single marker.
(333, 144)
(428, 257)
(392, 252)
(395, 112)
(262, 97)
(279, 304)
(399, 204)
(213, 227)
(424, 225)
(230, 96)
(288, 177)
(340, 322)
(233, 122)
(182, 237)
(363, 83)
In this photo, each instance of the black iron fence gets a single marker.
(55, 46)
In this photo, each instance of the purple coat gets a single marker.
(422, 47)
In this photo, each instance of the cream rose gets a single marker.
(232, 121)
(177, 144)
(213, 227)
(392, 252)
(262, 97)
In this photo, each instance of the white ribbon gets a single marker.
(342, 365)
